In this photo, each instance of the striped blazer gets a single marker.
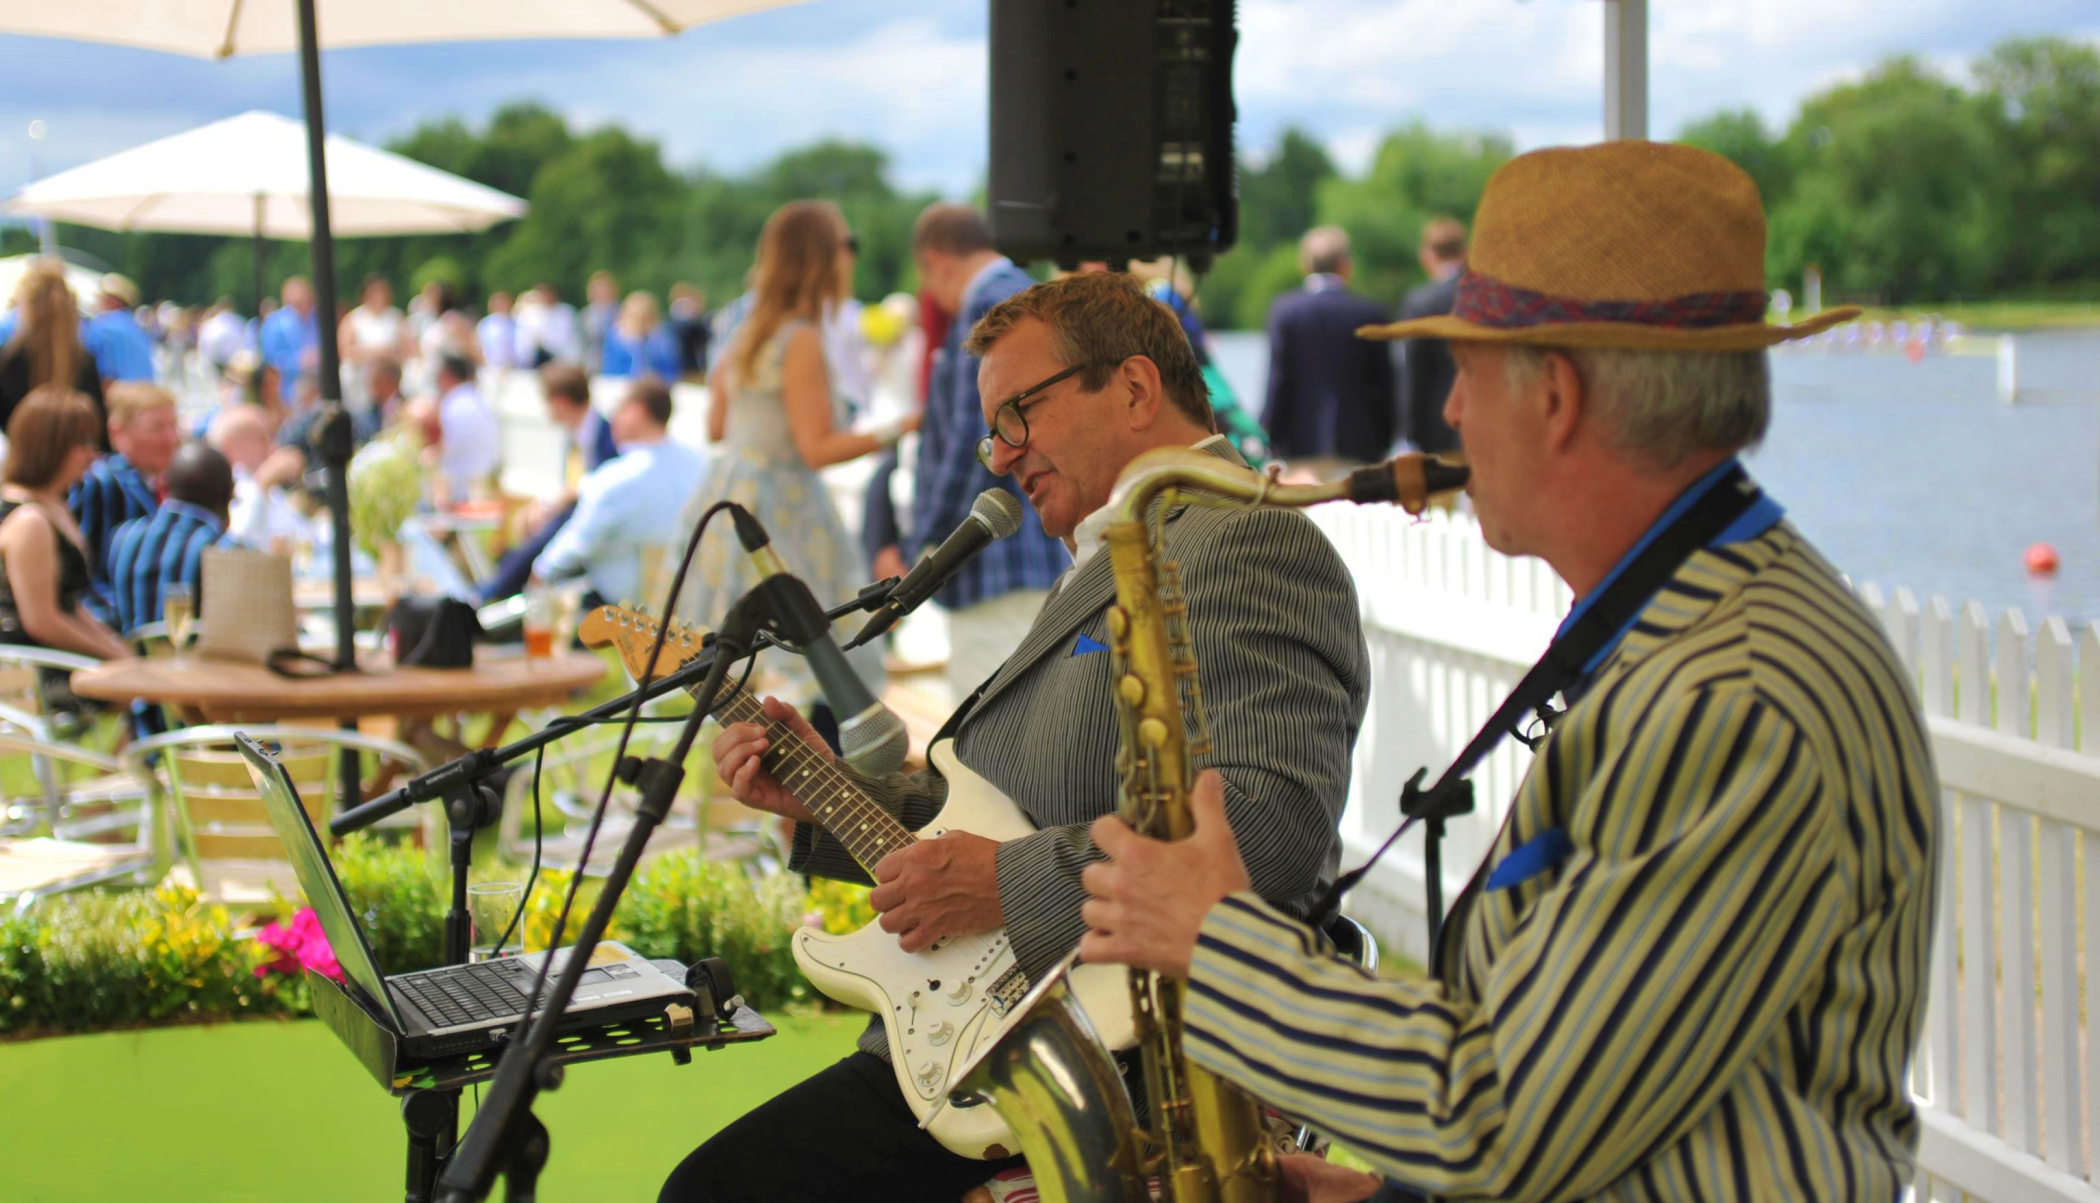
(110, 495)
(1715, 995)
(1284, 668)
(146, 555)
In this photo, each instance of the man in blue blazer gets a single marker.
(1331, 394)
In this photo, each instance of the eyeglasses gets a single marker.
(1009, 424)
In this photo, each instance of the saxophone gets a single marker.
(1048, 1075)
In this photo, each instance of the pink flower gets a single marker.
(304, 945)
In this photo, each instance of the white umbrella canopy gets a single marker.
(247, 175)
(218, 28)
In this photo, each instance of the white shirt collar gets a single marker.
(1087, 536)
(1322, 281)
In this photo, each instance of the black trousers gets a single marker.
(842, 1136)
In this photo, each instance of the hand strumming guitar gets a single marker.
(740, 759)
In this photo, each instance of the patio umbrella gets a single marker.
(219, 28)
(248, 175)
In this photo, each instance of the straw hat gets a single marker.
(1636, 245)
(114, 285)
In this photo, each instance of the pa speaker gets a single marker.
(1111, 126)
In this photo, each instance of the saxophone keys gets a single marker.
(1152, 733)
(1131, 690)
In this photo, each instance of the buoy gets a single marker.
(2041, 560)
(1914, 351)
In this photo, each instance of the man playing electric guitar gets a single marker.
(1077, 378)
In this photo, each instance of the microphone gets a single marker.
(872, 738)
(995, 515)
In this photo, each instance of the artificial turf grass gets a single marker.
(273, 1111)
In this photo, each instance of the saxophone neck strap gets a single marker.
(1712, 508)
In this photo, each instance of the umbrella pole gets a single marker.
(335, 434)
(257, 259)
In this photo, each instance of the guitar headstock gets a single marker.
(630, 629)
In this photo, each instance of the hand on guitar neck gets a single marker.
(745, 754)
(929, 890)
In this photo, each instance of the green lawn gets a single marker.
(268, 1111)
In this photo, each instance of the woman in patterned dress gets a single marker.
(770, 412)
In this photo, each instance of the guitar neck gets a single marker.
(867, 830)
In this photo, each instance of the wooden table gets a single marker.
(229, 691)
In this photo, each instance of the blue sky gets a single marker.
(910, 76)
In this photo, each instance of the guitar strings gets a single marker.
(878, 829)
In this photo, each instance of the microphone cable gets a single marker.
(612, 776)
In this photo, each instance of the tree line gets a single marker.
(1902, 187)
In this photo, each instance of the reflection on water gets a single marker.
(1914, 474)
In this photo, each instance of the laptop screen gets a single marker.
(302, 845)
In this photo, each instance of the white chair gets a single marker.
(32, 868)
(230, 851)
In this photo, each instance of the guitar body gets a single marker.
(937, 1006)
(941, 1007)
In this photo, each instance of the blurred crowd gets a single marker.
(139, 435)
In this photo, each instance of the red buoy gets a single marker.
(2041, 560)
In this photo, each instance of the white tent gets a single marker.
(247, 175)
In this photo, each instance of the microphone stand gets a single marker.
(504, 1134)
(470, 805)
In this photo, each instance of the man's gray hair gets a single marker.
(1664, 406)
(1323, 249)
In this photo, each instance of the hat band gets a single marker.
(1486, 301)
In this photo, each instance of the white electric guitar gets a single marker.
(939, 1007)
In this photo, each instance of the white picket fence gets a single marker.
(2010, 1094)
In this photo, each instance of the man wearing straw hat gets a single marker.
(1692, 965)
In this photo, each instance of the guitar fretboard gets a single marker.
(867, 830)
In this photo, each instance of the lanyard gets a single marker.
(1708, 510)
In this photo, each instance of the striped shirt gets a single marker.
(149, 554)
(1715, 995)
(949, 478)
(110, 495)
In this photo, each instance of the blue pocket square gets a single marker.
(1544, 851)
(1086, 645)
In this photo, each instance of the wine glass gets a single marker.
(177, 607)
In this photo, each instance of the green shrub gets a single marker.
(81, 962)
(400, 894)
(92, 961)
(684, 908)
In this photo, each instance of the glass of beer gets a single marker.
(177, 607)
(539, 622)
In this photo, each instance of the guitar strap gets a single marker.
(1713, 507)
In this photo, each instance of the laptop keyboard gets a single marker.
(464, 993)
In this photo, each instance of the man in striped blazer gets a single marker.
(1079, 377)
(165, 548)
(143, 432)
(1693, 964)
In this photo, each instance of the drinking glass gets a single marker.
(176, 608)
(491, 906)
(539, 622)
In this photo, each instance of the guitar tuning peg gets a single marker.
(627, 603)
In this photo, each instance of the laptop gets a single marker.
(457, 1009)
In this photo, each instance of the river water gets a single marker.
(1914, 473)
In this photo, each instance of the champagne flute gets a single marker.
(177, 608)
